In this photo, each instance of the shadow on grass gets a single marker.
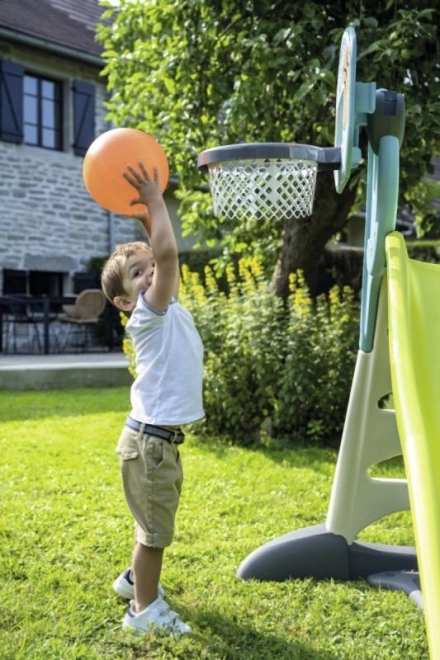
(62, 403)
(222, 638)
(299, 456)
(244, 642)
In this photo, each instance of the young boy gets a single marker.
(142, 282)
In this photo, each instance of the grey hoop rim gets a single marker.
(327, 158)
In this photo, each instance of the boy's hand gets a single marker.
(148, 189)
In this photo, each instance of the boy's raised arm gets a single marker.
(159, 228)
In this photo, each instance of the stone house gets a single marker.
(51, 108)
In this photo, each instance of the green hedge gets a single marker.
(428, 251)
(272, 372)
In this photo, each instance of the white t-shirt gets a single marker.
(169, 365)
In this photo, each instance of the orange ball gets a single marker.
(106, 159)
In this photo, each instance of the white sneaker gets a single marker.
(124, 586)
(156, 614)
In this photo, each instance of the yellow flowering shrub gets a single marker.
(321, 346)
(127, 347)
(284, 369)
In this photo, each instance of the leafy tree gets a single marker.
(202, 73)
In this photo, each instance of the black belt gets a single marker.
(176, 437)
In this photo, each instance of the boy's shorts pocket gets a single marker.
(127, 454)
(154, 452)
(127, 446)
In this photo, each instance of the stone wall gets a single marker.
(47, 219)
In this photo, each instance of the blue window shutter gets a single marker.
(83, 116)
(11, 101)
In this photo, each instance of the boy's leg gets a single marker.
(148, 610)
(146, 566)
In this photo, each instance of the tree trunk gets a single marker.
(304, 239)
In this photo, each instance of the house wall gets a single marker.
(47, 219)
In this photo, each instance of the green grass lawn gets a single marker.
(66, 533)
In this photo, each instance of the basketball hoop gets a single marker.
(271, 180)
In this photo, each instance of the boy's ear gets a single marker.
(123, 304)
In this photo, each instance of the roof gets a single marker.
(66, 24)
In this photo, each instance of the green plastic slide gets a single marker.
(414, 340)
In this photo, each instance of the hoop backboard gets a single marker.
(345, 106)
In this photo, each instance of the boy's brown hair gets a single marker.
(112, 271)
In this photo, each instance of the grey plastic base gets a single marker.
(407, 581)
(315, 552)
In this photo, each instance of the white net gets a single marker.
(270, 188)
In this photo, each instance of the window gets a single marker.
(42, 112)
(31, 110)
(32, 282)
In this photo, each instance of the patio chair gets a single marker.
(20, 327)
(82, 318)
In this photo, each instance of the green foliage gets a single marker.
(286, 371)
(242, 335)
(196, 261)
(401, 54)
(270, 369)
(320, 346)
(427, 191)
(127, 347)
(425, 250)
(198, 74)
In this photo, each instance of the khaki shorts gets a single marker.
(152, 478)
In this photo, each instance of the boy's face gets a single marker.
(137, 276)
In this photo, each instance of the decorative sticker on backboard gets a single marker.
(345, 106)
